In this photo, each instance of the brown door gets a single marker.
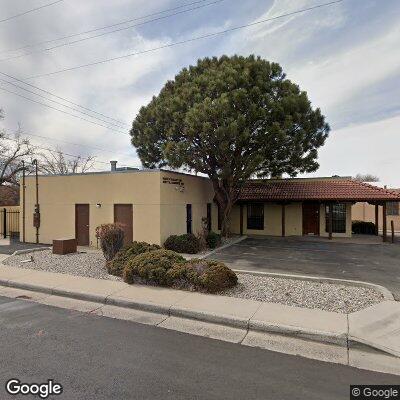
(123, 214)
(82, 224)
(310, 219)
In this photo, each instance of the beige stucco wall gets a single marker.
(59, 194)
(273, 220)
(194, 190)
(366, 212)
(159, 204)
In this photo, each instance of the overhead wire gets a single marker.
(110, 32)
(206, 36)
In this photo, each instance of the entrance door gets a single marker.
(82, 224)
(311, 219)
(123, 214)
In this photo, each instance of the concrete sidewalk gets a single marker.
(376, 327)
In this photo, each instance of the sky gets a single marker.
(346, 56)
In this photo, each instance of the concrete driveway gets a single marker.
(375, 263)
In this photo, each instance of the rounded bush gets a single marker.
(362, 227)
(117, 264)
(187, 243)
(151, 267)
(205, 275)
(213, 240)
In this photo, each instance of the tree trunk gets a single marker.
(225, 196)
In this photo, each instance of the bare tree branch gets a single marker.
(55, 163)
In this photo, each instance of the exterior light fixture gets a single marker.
(98, 205)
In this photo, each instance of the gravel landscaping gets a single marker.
(90, 264)
(292, 292)
(301, 293)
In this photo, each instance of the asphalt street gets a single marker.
(379, 264)
(101, 358)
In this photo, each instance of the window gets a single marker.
(188, 218)
(209, 225)
(255, 216)
(338, 218)
(392, 208)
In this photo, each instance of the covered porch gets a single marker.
(306, 207)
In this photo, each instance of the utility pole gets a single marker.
(36, 215)
(23, 201)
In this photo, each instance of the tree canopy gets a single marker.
(231, 118)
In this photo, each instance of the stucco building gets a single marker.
(366, 212)
(153, 204)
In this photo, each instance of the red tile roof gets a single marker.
(314, 189)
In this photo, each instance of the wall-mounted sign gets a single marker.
(173, 181)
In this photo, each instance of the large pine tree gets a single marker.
(230, 118)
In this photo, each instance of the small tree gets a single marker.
(55, 163)
(13, 149)
(111, 238)
(230, 118)
(366, 178)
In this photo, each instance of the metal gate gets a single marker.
(9, 223)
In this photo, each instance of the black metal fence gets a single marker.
(9, 223)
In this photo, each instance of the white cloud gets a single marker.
(366, 148)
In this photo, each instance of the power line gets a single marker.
(30, 11)
(110, 32)
(60, 98)
(57, 102)
(66, 154)
(206, 36)
(77, 144)
(101, 28)
(64, 112)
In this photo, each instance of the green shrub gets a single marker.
(151, 267)
(362, 227)
(213, 240)
(117, 264)
(187, 243)
(111, 238)
(205, 275)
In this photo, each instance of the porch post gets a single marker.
(384, 235)
(330, 219)
(241, 219)
(376, 219)
(283, 219)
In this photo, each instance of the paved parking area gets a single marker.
(8, 246)
(375, 263)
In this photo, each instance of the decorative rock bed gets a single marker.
(292, 292)
(303, 293)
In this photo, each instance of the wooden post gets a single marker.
(392, 229)
(241, 219)
(330, 219)
(283, 219)
(384, 221)
(376, 219)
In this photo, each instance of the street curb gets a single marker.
(209, 253)
(386, 293)
(342, 340)
(175, 311)
(24, 251)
